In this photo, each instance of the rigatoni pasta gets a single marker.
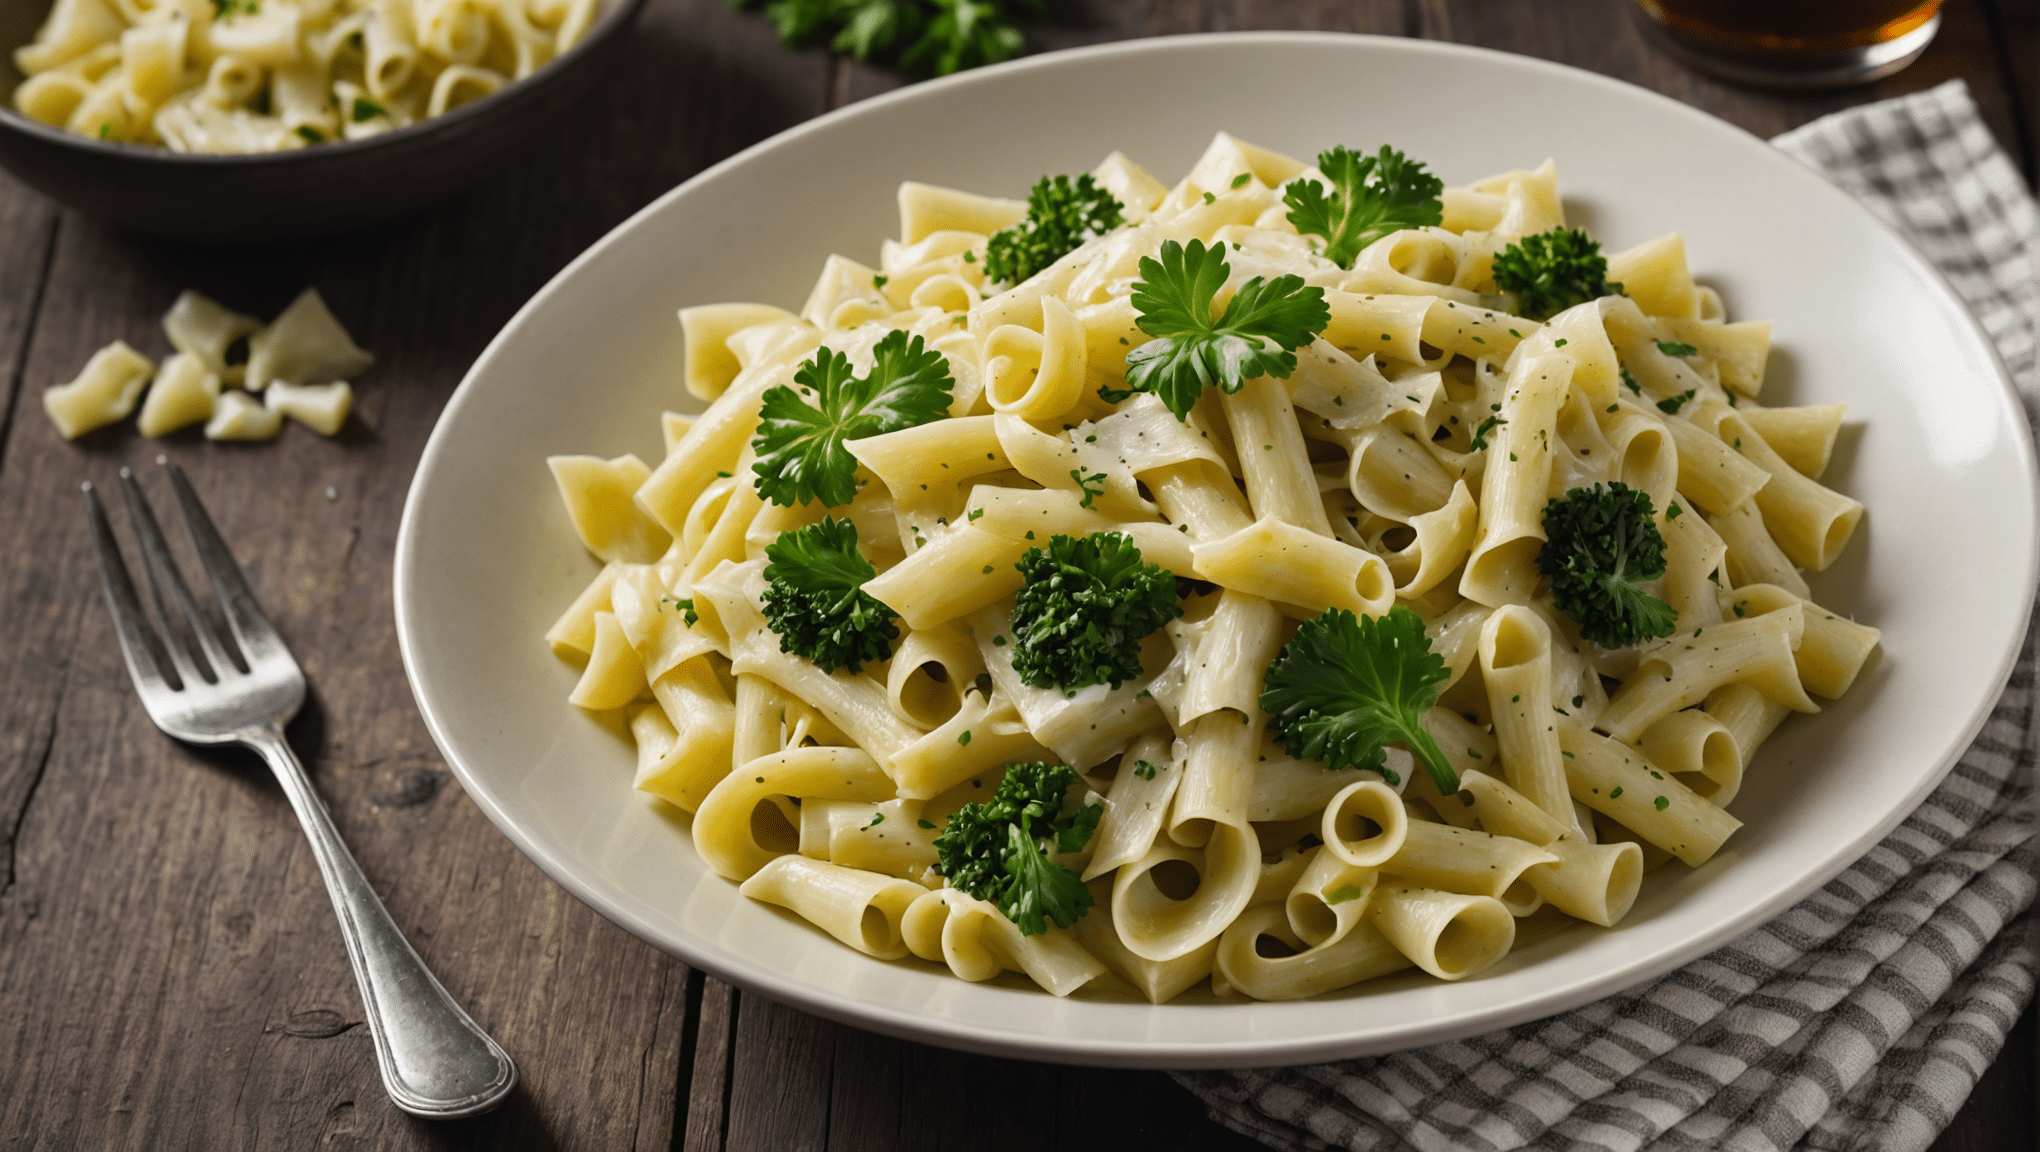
(1561, 521)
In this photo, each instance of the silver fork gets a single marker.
(436, 1062)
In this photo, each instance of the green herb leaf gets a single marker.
(1085, 607)
(1085, 483)
(815, 598)
(1552, 271)
(964, 34)
(1674, 348)
(800, 447)
(1256, 334)
(923, 36)
(1371, 196)
(1346, 686)
(364, 110)
(1670, 405)
(1600, 542)
(993, 849)
(1061, 214)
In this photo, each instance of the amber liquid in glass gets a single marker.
(1789, 28)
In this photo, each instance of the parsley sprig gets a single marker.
(1257, 334)
(1552, 271)
(1347, 685)
(994, 849)
(1061, 214)
(923, 36)
(1085, 607)
(815, 598)
(1371, 197)
(1600, 541)
(800, 446)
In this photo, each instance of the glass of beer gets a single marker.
(1793, 43)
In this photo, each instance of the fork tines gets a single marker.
(140, 644)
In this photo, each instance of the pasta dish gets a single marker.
(1282, 579)
(273, 75)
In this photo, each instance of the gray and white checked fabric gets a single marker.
(1862, 1017)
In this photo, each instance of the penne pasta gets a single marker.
(1027, 649)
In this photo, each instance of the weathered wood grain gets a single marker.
(705, 1091)
(803, 1084)
(170, 975)
(27, 229)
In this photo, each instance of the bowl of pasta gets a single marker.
(1274, 571)
(254, 120)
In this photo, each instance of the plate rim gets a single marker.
(989, 1039)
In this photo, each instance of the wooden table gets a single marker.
(170, 975)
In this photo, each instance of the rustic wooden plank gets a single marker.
(868, 1092)
(707, 1086)
(28, 224)
(197, 954)
(802, 1082)
(1097, 21)
(1016, 1118)
(779, 1078)
(172, 976)
(1110, 1108)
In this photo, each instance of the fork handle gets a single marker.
(436, 1061)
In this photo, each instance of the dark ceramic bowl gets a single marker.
(323, 189)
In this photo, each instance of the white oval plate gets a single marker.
(1935, 446)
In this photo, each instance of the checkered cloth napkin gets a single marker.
(1862, 1017)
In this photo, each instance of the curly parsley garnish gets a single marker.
(925, 36)
(1600, 542)
(1552, 271)
(816, 602)
(1085, 607)
(994, 849)
(1061, 214)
